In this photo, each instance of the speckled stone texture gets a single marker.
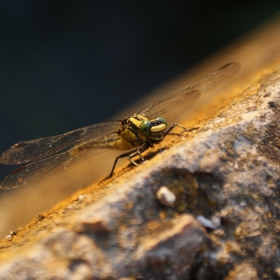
(229, 167)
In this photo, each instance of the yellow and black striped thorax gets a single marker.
(139, 129)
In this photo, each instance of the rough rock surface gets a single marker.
(228, 167)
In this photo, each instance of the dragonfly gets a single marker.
(43, 157)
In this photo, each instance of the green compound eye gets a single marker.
(158, 125)
(162, 120)
(145, 128)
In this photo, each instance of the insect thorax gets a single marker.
(139, 129)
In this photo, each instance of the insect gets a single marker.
(44, 156)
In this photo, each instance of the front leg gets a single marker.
(172, 126)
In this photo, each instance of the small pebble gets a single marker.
(165, 196)
(214, 223)
(209, 164)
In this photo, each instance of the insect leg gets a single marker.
(137, 152)
(172, 126)
(130, 155)
(117, 158)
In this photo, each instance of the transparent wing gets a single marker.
(48, 166)
(189, 95)
(51, 154)
(34, 150)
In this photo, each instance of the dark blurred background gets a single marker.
(68, 64)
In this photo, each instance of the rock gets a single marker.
(230, 167)
(243, 271)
